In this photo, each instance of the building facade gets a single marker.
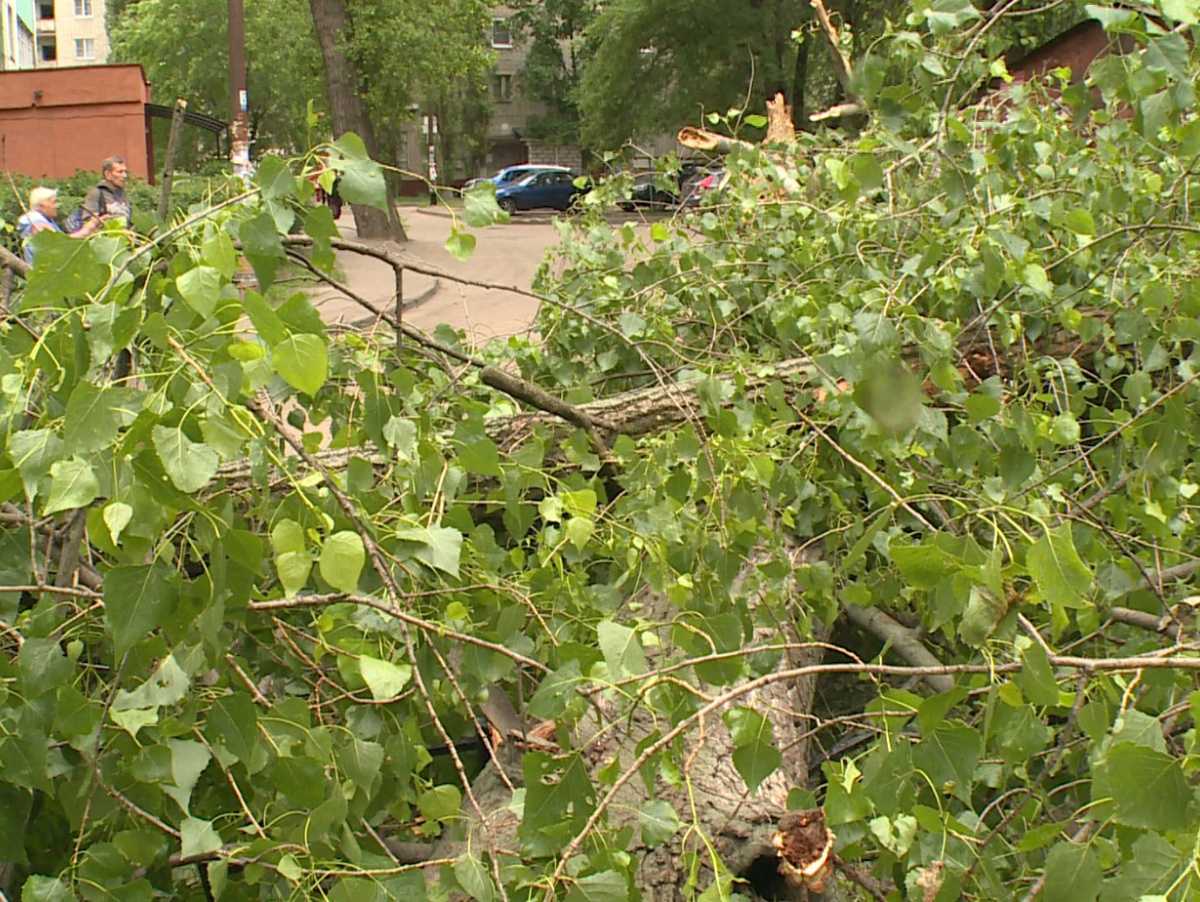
(71, 33)
(508, 142)
(17, 24)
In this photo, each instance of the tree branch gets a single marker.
(905, 641)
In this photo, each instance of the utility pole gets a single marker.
(431, 130)
(239, 124)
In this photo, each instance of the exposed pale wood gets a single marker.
(702, 139)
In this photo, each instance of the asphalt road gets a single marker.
(505, 257)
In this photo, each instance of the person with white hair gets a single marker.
(43, 208)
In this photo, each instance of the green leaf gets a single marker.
(659, 822)
(1055, 565)
(362, 182)
(622, 650)
(43, 666)
(755, 757)
(1184, 11)
(439, 547)
(441, 803)
(1081, 222)
(265, 320)
(262, 247)
(292, 561)
(201, 288)
(217, 251)
(1148, 787)
(342, 559)
(94, 416)
(23, 759)
(274, 177)
(33, 452)
(480, 208)
(949, 756)
(44, 889)
(1036, 678)
(188, 761)
(473, 877)
(480, 455)
(945, 16)
(73, 484)
(385, 679)
(232, 721)
(460, 244)
(606, 886)
(361, 761)
(555, 692)
(1036, 278)
(137, 600)
(63, 267)
(198, 837)
(983, 612)
(190, 465)
(559, 799)
(1072, 874)
(302, 361)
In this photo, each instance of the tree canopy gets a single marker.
(860, 498)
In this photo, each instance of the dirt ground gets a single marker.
(505, 255)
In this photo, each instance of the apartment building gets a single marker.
(17, 23)
(71, 33)
(508, 142)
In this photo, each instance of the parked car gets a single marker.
(707, 182)
(511, 174)
(649, 193)
(553, 188)
(657, 189)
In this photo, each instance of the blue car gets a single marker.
(510, 174)
(554, 188)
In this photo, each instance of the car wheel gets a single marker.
(508, 205)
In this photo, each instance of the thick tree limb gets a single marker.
(841, 63)
(702, 139)
(905, 641)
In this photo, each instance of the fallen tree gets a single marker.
(847, 528)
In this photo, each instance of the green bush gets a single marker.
(211, 186)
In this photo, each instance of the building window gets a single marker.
(45, 10)
(85, 48)
(49, 52)
(83, 8)
(502, 88)
(500, 34)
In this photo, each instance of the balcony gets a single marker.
(45, 26)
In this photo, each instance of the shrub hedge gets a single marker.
(188, 189)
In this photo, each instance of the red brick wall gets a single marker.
(54, 122)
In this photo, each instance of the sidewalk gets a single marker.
(505, 255)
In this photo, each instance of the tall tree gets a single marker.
(558, 52)
(348, 111)
(277, 42)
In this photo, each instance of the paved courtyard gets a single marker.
(505, 255)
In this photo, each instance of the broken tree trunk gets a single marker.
(728, 830)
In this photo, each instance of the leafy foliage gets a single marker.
(951, 358)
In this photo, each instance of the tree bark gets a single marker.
(348, 112)
(712, 795)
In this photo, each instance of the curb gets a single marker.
(406, 305)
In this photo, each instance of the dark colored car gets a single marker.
(705, 183)
(649, 192)
(554, 188)
(510, 174)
